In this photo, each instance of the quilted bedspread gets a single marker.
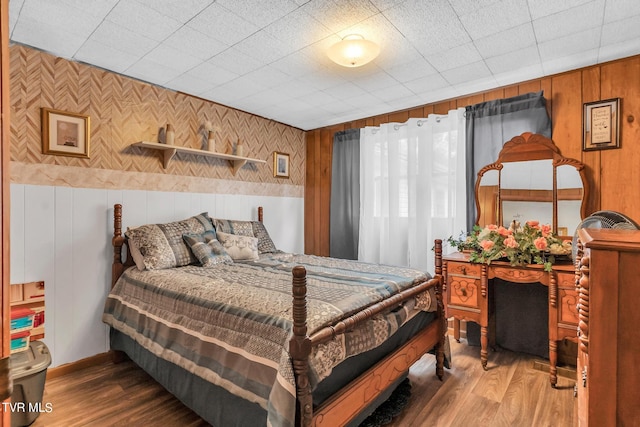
(230, 324)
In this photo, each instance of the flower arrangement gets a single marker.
(531, 244)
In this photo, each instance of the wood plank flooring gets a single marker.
(510, 393)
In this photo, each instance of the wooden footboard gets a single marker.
(347, 403)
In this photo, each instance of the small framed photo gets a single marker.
(65, 133)
(601, 125)
(280, 165)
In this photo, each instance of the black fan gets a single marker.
(603, 219)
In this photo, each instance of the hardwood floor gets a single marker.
(510, 393)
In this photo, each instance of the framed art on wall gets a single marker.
(65, 133)
(601, 123)
(280, 165)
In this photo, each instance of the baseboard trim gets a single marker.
(78, 365)
(563, 371)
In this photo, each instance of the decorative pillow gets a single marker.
(162, 245)
(239, 247)
(265, 244)
(240, 228)
(134, 250)
(207, 248)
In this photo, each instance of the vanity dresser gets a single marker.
(531, 180)
(608, 388)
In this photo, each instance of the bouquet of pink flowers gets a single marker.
(531, 244)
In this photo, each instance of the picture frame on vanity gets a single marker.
(65, 133)
(280, 165)
(601, 125)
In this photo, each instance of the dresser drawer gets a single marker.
(464, 269)
(567, 311)
(463, 291)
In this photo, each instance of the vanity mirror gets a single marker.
(531, 180)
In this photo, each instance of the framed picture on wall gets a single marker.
(601, 124)
(280, 165)
(65, 133)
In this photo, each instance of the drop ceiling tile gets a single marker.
(156, 26)
(426, 84)
(254, 12)
(464, 7)
(97, 10)
(495, 18)
(570, 21)
(541, 8)
(520, 75)
(378, 80)
(320, 98)
(618, 50)
(268, 76)
(187, 83)
(474, 86)
(620, 9)
(221, 24)
(513, 60)
(14, 11)
(298, 29)
(411, 71)
(195, 43)
(151, 71)
(243, 87)
(455, 57)
(392, 93)
(47, 37)
(467, 73)
(181, 10)
(341, 14)
(263, 47)
(235, 61)
(173, 58)
(619, 31)
(61, 16)
(212, 73)
(92, 52)
(123, 39)
(571, 62)
(510, 40)
(568, 45)
(383, 5)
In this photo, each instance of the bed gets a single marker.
(274, 338)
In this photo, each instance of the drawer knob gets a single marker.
(464, 292)
(464, 270)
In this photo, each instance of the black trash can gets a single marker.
(28, 372)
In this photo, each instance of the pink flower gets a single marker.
(492, 227)
(546, 230)
(503, 231)
(540, 243)
(510, 242)
(487, 244)
(533, 224)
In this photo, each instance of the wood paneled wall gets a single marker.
(614, 174)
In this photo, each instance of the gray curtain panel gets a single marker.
(345, 195)
(490, 124)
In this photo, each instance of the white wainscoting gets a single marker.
(62, 235)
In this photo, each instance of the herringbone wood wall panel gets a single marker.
(123, 111)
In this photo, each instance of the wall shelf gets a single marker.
(169, 151)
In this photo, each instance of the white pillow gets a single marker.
(239, 247)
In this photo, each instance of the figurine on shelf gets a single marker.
(239, 149)
(211, 143)
(169, 135)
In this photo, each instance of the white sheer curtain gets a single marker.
(412, 188)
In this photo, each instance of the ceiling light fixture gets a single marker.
(353, 51)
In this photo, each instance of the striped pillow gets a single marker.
(207, 248)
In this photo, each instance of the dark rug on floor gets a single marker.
(390, 408)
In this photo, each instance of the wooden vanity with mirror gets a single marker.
(531, 180)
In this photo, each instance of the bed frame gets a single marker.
(348, 402)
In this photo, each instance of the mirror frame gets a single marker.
(526, 147)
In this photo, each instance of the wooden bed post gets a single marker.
(117, 241)
(260, 214)
(440, 309)
(300, 348)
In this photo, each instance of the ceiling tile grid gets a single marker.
(268, 57)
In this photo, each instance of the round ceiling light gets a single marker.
(353, 51)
